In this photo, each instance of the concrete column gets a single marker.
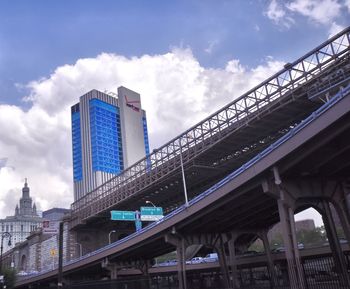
(179, 242)
(181, 264)
(223, 264)
(145, 264)
(270, 263)
(295, 272)
(233, 263)
(341, 209)
(333, 239)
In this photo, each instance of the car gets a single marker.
(195, 260)
(212, 257)
(250, 253)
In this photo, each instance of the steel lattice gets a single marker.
(203, 135)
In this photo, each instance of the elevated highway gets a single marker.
(247, 201)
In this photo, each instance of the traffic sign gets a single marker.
(123, 216)
(151, 213)
(53, 252)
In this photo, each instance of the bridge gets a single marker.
(278, 149)
(226, 139)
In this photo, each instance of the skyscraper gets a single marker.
(108, 135)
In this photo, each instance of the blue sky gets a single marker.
(189, 56)
(37, 36)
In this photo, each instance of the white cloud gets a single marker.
(320, 11)
(211, 46)
(175, 89)
(347, 4)
(334, 29)
(277, 13)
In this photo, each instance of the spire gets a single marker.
(34, 209)
(25, 202)
(25, 190)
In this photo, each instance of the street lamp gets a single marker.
(149, 202)
(3, 236)
(183, 177)
(109, 235)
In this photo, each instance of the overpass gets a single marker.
(278, 149)
(246, 202)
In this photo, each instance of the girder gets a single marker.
(298, 88)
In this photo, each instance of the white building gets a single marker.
(23, 222)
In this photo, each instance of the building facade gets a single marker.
(25, 220)
(109, 134)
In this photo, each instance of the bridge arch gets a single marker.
(23, 263)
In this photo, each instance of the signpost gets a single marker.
(146, 214)
(123, 216)
(49, 228)
(151, 213)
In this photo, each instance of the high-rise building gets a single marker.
(108, 135)
(25, 220)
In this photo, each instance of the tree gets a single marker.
(9, 277)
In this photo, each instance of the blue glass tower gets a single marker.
(108, 134)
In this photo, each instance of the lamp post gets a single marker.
(3, 236)
(149, 202)
(109, 235)
(183, 177)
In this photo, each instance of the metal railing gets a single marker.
(203, 135)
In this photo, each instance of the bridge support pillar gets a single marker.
(334, 243)
(233, 262)
(111, 267)
(144, 268)
(340, 201)
(295, 271)
(179, 243)
(343, 215)
(223, 263)
(270, 263)
(286, 202)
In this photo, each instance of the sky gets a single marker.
(187, 59)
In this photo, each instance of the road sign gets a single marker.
(53, 252)
(123, 215)
(49, 227)
(151, 213)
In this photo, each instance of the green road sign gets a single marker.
(151, 213)
(123, 215)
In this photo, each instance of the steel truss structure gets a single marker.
(313, 77)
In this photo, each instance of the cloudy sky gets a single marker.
(185, 58)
